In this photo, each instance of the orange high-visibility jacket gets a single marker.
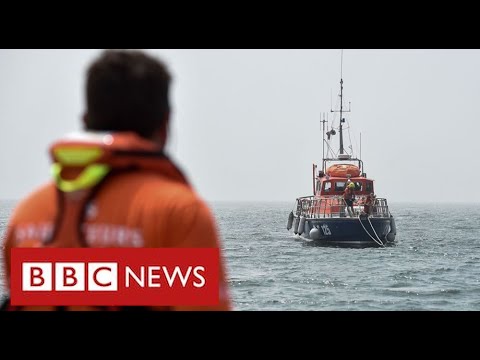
(144, 201)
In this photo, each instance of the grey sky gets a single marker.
(245, 123)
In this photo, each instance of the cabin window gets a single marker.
(319, 186)
(340, 186)
(327, 187)
(369, 187)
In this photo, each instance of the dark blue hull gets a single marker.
(351, 232)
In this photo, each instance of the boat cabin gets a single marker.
(334, 180)
(327, 186)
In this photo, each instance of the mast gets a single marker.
(341, 111)
(342, 120)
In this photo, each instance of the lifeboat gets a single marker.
(342, 170)
(326, 218)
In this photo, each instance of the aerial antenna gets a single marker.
(341, 66)
(323, 135)
(360, 145)
(331, 103)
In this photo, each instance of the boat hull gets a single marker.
(355, 232)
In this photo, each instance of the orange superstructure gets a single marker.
(342, 170)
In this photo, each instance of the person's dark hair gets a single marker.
(127, 91)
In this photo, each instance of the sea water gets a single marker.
(434, 265)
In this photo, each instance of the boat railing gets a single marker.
(312, 207)
(380, 208)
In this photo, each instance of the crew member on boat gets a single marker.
(368, 206)
(349, 180)
(349, 197)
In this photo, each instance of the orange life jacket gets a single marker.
(114, 190)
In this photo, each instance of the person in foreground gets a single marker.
(113, 185)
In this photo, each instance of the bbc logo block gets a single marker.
(69, 276)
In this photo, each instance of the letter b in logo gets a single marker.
(36, 276)
(69, 276)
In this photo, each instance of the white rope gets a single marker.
(366, 230)
(375, 240)
(368, 218)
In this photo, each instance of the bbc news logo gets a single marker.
(70, 276)
(114, 277)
